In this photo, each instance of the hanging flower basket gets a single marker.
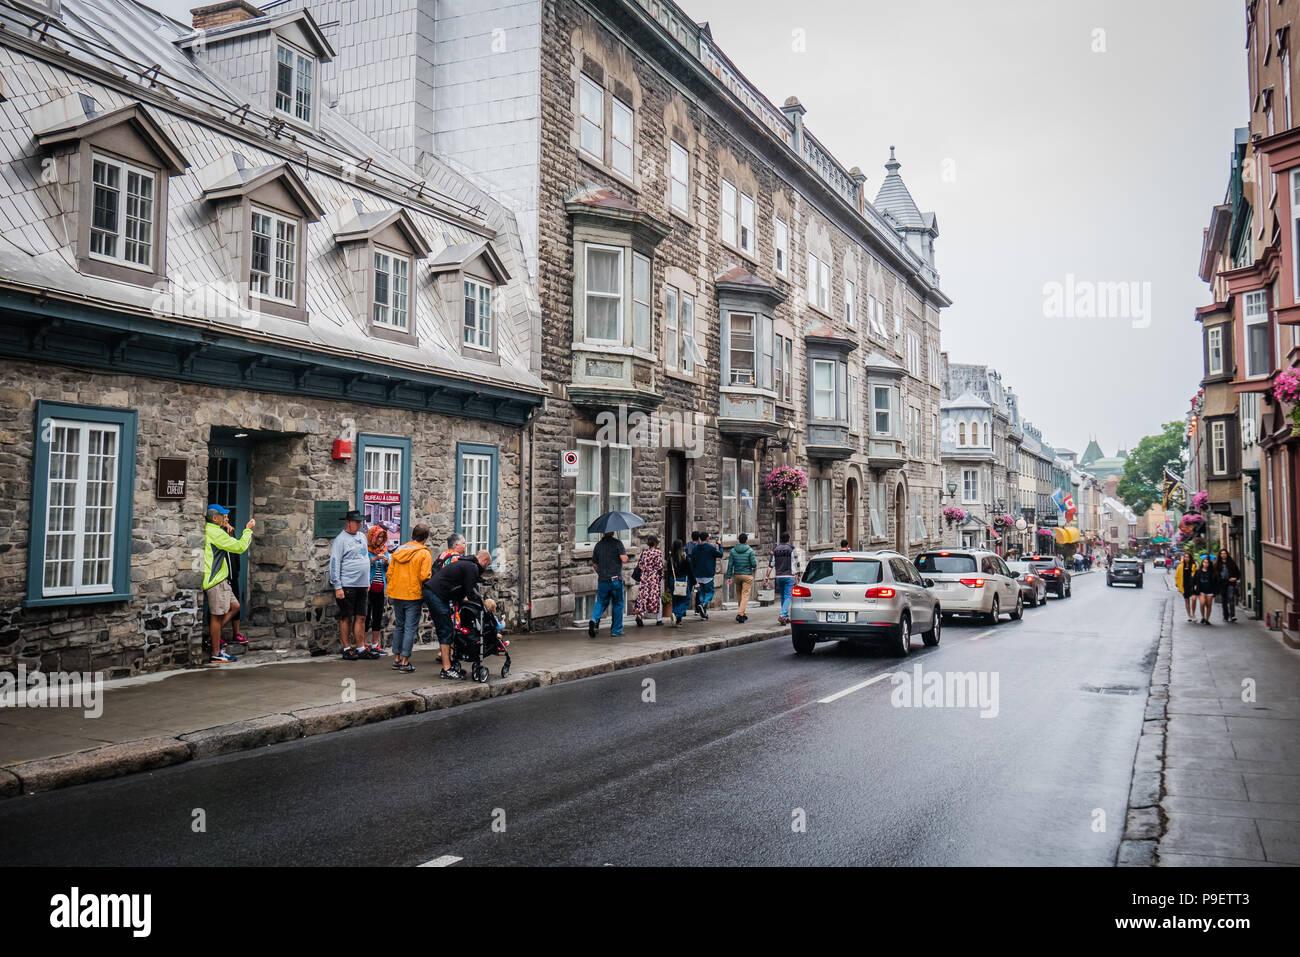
(1200, 500)
(1045, 533)
(1286, 389)
(952, 515)
(786, 480)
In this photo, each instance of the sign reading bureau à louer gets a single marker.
(171, 478)
(569, 463)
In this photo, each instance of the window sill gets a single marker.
(96, 599)
(682, 377)
(751, 258)
(609, 171)
(819, 310)
(686, 218)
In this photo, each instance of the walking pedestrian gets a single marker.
(1207, 586)
(452, 584)
(218, 546)
(741, 565)
(704, 565)
(350, 579)
(1227, 573)
(649, 576)
(784, 564)
(1185, 579)
(677, 570)
(377, 546)
(607, 559)
(844, 544)
(695, 540)
(409, 567)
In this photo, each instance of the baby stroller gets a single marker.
(475, 638)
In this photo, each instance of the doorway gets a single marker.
(675, 499)
(851, 512)
(900, 520)
(228, 486)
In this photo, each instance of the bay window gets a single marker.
(1255, 327)
(823, 405)
(882, 406)
(1219, 447)
(604, 297)
(742, 349)
(1214, 350)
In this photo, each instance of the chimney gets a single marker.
(220, 14)
(794, 111)
(860, 182)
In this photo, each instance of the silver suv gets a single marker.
(971, 581)
(863, 596)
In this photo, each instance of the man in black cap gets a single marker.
(350, 579)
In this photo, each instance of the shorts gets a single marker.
(354, 602)
(219, 596)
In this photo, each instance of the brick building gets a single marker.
(718, 293)
(216, 288)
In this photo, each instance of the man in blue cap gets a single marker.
(217, 547)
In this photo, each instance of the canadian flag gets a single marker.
(1070, 510)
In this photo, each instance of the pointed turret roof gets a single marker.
(894, 200)
(1092, 453)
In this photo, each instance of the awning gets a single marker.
(1068, 535)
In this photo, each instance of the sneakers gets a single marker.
(454, 674)
(407, 668)
(639, 622)
(221, 658)
(350, 654)
(239, 638)
(380, 652)
(591, 629)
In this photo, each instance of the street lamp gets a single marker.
(952, 491)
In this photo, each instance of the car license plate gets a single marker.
(833, 616)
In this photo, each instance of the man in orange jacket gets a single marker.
(409, 567)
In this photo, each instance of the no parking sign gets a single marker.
(569, 463)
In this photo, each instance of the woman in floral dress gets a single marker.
(649, 594)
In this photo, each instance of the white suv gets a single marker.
(969, 581)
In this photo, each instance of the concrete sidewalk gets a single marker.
(156, 720)
(1230, 786)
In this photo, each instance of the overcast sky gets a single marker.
(1046, 148)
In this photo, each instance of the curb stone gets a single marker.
(243, 735)
(1145, 820)
(147, 754)
(110, 761)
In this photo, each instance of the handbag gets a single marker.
(636, 574)
(679, 588)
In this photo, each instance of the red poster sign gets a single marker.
(382, 498)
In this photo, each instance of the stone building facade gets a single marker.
(719, 295)
(213, 295)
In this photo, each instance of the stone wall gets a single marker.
(289, 603)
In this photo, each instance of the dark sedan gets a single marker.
(1125, 571)
(1054, 573)
(1033, 587)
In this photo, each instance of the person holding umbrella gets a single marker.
(607, 558)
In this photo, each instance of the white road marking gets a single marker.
(982, 634)
(857, 687)
(445, 861)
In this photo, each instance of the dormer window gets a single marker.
(478, 315)
(122, 218)
(392, 294)
(293, 82)
(273, 264)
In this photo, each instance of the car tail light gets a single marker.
(1051, 571)
(1029, 578)
(798, 591)
(880, 592)
(973, 582)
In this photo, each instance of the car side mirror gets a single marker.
(1015, 574)
(927, 582)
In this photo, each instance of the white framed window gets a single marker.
(742, 334)
(854, 424)
(730, 511)
(273, 264)
(914, 435)
(819, 283)
(679, 331)
(293, 83)
(961, 433)
(823, 389)
(1255, 322)
(781, 246)
(1295, 229)
(850, 302)
(877, 509)
(476, 501)
(679, 168)
(748, 233)
(932, 358)
(914, 354)
(882, 410)
(621, 137)
(672, 330)
(478, 314)
(641, 331)
(382, 471)
(746, 493)
(938, 442)
(81, 508)
(620, 484)
(122, 212)
(785, 389)
(819, 510)
(880, 317)
(1219, 447)
(604, 293)
(970, 485)
(974, 433)
(898, 323)
(728, 213)
(1214, 349)
(591, 97)
(392, 290)
(587, 491)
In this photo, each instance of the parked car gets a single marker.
(1158, 561)
(970, 581)
(1054, 573)
(1125, 571)
(1033, 587)
(863, 596)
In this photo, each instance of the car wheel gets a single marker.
(1020, 609)
(1139, 583)
(903, 644)
(931, 637)
(803, 644)
(1109, 583)
(995, 613)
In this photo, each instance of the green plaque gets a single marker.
(329, 518)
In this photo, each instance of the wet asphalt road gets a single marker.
(735, 752)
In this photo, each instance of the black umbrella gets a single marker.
(615, 522)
